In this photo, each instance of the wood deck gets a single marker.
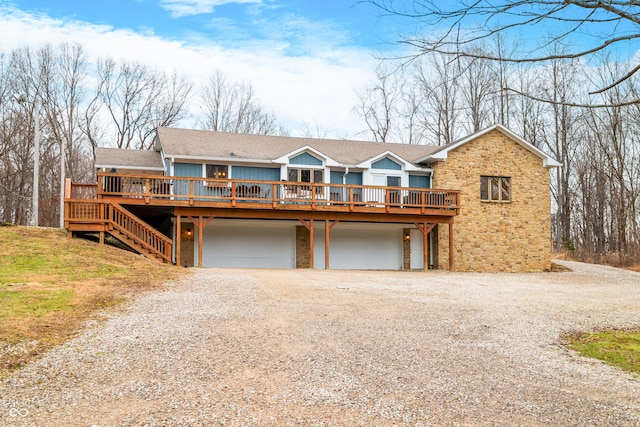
(102, 207)
(275, 195)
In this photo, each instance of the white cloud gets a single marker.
(318, 87)
(197, 7)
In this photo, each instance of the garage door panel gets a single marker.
(249, 245)
(366, 248)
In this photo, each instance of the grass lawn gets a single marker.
(50, 284)
(619, 348)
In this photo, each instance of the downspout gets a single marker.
(344, 181)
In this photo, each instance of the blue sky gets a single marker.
(346, 22)
(305, 58)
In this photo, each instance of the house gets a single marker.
(216, 199)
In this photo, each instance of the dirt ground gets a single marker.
(342, 348)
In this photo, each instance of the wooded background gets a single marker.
(430, 99)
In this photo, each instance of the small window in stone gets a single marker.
(217, 171)
(495, 188)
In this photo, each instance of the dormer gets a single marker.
(386, 163)
(389, 169)
(306, 159)
(305, 164)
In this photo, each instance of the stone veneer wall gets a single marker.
(303, 246)
(187, 245)
(489, 236)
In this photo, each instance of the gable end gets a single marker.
(386, 163)
(305, 159)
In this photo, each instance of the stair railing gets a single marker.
(139, 231)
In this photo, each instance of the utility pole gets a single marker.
(62, 182)
(35, 201)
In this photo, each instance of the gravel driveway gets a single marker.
(301, 347)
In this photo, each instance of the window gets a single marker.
(305, 175)
(393, 181)
(385, 180)
(217, 171)
(495, 188)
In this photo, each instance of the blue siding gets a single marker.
(187, 169)
(167, 167)
(192, 170)
(419, 181)
(354, 178)
(305, 159)
(341, 193)
(386, 163)
(255, 173)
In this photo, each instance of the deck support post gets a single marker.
(311, 243)
(178, 238)
(425, 228)
(201, 223)
(425, 247)
(101, 216)
(199, 241)
(451, 245)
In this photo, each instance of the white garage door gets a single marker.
(363, 247)
(417, 249)
(249, 244)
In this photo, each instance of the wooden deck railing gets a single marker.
(114, 216)
(139, 231)
(278, 194)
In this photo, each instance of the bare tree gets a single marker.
(64, 94)
(437, 81)
(378, 104)
(411, 132)
(136, 100)
(27, 71)
(462, 25)
(233, 107)
(15, 183)
(313, 130)
(561, 132)
(503, 73)
(476, 89)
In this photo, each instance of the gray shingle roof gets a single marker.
(223, 145)
(120, 158)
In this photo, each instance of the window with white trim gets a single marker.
(495, 188)
(305, 175)
(217, 171)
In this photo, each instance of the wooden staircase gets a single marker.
(107, 216)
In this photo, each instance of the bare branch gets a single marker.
(479, 20)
